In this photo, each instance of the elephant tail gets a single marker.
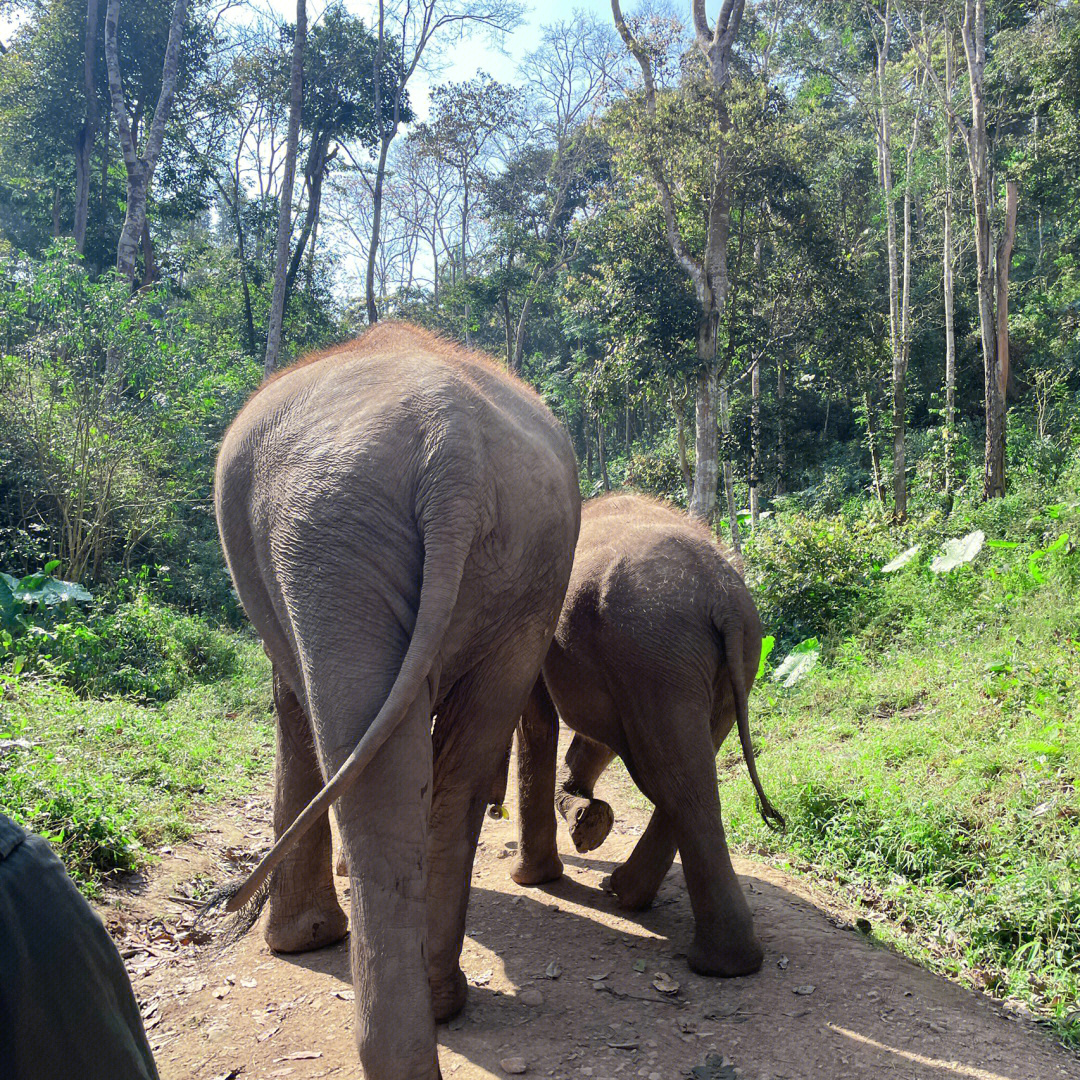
(444, 566)
(731, 634)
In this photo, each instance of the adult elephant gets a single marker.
(656, 649)
(399, 517)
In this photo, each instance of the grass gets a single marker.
(928, 772)
(105, 779)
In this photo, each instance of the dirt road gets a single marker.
(563, 982)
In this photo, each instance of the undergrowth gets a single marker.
(105, 779)
(927, 767)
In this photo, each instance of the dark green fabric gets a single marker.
(67, 1011)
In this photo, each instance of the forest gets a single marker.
(808, 269)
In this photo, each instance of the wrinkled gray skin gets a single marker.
(399, 518)
(656, 649)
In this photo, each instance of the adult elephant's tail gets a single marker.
(730, 630)
(444, 565)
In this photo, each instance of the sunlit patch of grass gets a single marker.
(105, 779)
(930, 775)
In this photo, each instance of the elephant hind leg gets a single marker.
(674, 764)
(470, 736)
(304, 911)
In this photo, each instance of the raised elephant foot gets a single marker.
(537, 871)
(632, 893)
(314, 927)
(727, 959)
(448, 996)
(589, 820)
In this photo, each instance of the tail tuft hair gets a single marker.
(236, 925)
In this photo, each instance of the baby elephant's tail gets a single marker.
(731, 633)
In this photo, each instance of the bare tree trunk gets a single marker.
(601, 455)
(464, 264)
(150, 269)
(1003, 262)
(678, 407)
(875, 454)
(755, 442)
(900, 369)
(781, 426)
(376, 229)
(948, 286)
(729, 480)
(709, 272)
(140, 167)
(284, 228)
(703, 497)
(519, 333)
(315, 173)
(87, 133)
(973, 30)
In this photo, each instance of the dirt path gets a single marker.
(827, 1004)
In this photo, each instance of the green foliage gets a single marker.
(927, 767)
(815, 576)
(105, 780)
(114, 411)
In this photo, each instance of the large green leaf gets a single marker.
(9, 606)
(798, 663)
(901, 560)
(958, 551)
(45, 590)
(768, 643)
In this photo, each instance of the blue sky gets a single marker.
(464, 60)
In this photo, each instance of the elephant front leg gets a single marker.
(304, 911)
(589, 820)
(538, 743)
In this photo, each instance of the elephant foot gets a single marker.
(589, 820)
(537, 871)
(314, 927)
(448, 996)
(726, 959)
(630, 892)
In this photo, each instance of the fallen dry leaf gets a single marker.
(665, 983)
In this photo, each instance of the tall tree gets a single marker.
(139, 167)
(405, 30)
(993, 256)
(285, 196)
(87, 133)
(466, 117)
(708, 270)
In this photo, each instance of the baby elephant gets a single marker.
(655, 652)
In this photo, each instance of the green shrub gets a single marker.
(816, 577)
(141, 649)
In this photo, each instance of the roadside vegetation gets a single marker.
(690, 243)
(927, 763)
